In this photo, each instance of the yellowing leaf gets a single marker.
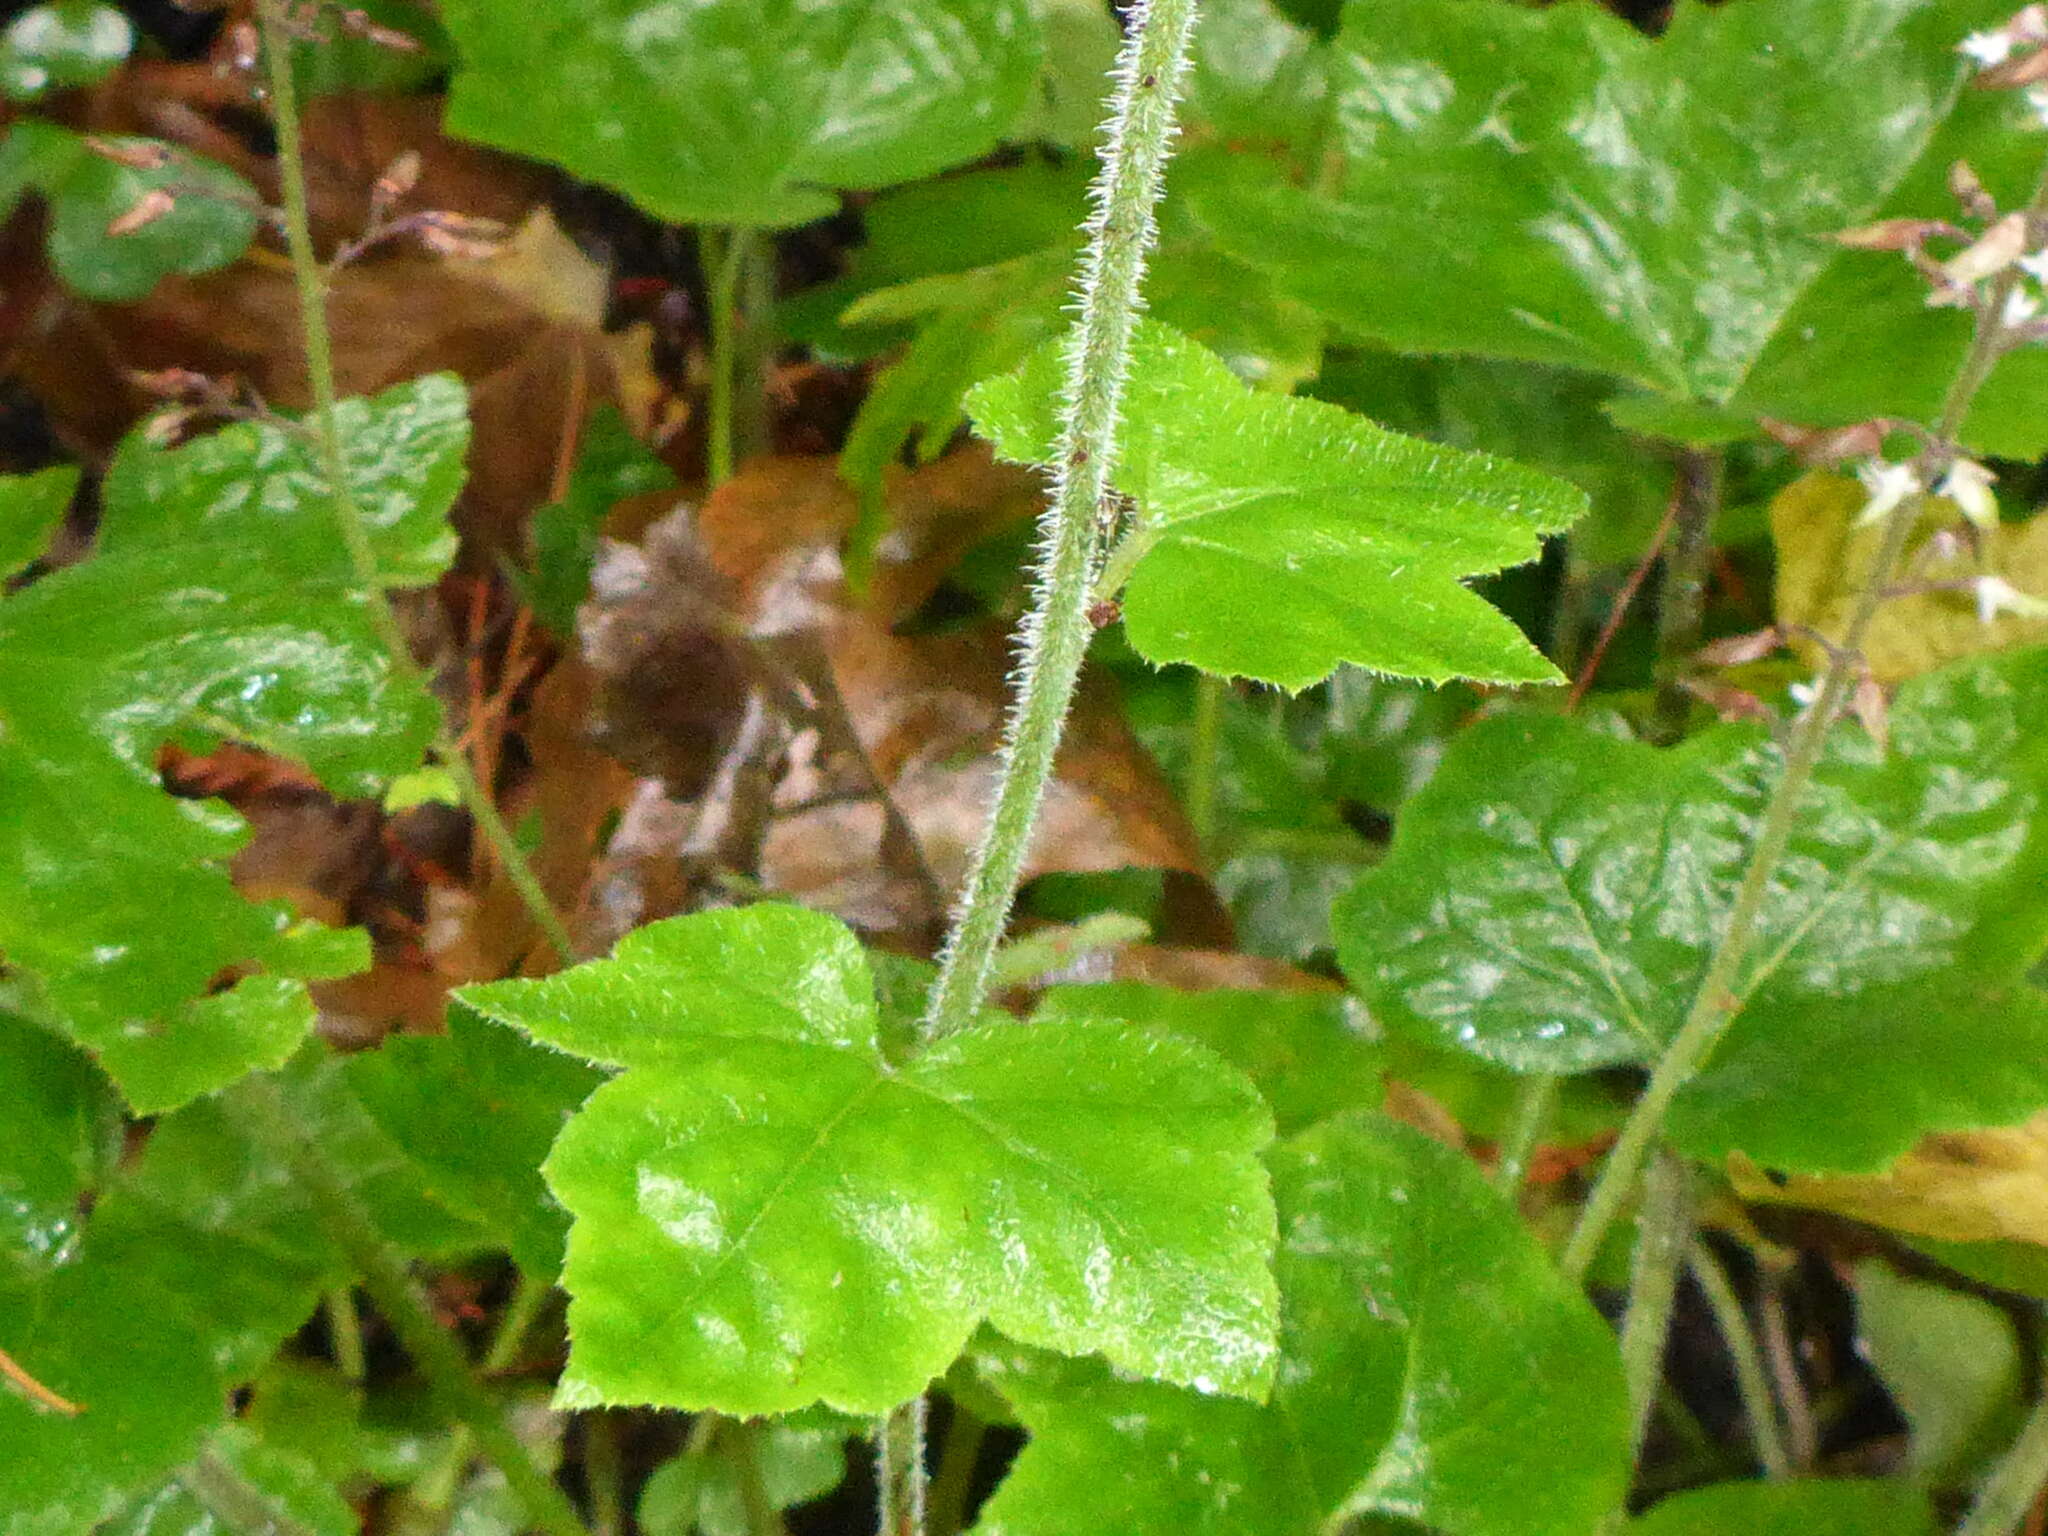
(1824, 558)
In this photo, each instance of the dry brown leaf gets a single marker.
(1823, 558)
(1959, 1186)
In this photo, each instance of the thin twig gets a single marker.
(1664, 1232)
(1623, 601)
(311, 283)
(1802, 1437)
(34, 1390)
(1682, 604)
(1757, 1405)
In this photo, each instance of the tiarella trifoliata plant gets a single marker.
(580, 940)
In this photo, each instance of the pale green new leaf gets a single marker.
(220, 605)
(1423, 1337)
(1554, 185)
(768, 1213)
(1552, 897)
(1288, 536)
(742, 112)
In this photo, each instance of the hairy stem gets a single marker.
(1054, 638)
(2015, 1483)
(1681, 609)
(1716, 1003)
(384, 1276)
(311, 281)
(1208, 759)
(1664, 1232)
(1751, 1382)
(899, 1470)
(345, 1332)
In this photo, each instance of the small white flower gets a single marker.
(1996, 595)
(1888, 484)
(1803, 694)
(1986, 49)
(2020, 307)
(2037, 102)
(1968, 485)
(2035, 266)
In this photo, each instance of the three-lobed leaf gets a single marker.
(1423, 1337)
(220, 605)
(1552, 897)
(1285, 537)
(769, 1212)
(743, 112)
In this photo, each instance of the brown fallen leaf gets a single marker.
(1823, 558)
(1959, 1186)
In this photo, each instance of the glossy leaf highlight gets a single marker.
(1423, 1334)
(769, 1213)
(1551, 898)
(219, 606)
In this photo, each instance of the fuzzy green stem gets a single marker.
(724, 254)
(899, 1470)
(310, 278)
(1139, 140)
(604, 1473)
(1717, 1001)
(2015, 1483)
(434, 1490)
(1681, 609)
(1664, 1232)
(1751, 1380)
(383, 1275)
(1533, 1104)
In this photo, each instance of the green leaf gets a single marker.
(196, 1263)
(1288, 536)
(30, 509)
(210, 221)
(1950, 1361)
(474, 1112)
(743, 112)
(981, 266)
(220, 605)
(1553, 185)
(611, 465)
(1817, 1508)
(769, 1213)
(1305, 1051)
(690, 1494)
(1423, 1336)
(59, 1136)
(54, 47)
(1551, 899)
(1293, 779)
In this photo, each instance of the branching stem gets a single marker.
(1717, 1002)
(310, 278)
